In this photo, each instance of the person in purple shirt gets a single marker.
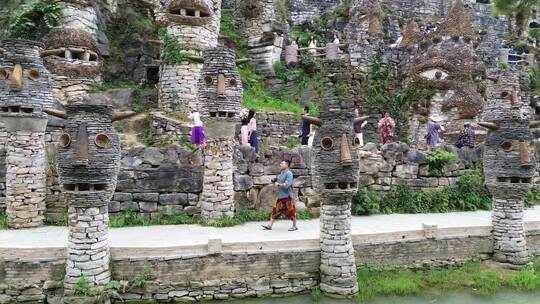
(433, 128)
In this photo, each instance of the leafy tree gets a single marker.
(521, 10)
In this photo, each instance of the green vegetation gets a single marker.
(437, 159)
(304, 35)
(82, 287)
(229, 29)
(534, 77)
(468, 194)
(520, 10)
(184, 142)
(100, 293)
(141, 281)
(171, 51)
(130, 218)
(119, 126)
(315, 294)
(533, 197)
(48, 219)
(147, 136)
(475, 277)
(283, 12)
(292, 142)
(31, 20)
(256, 97)
(3, 221)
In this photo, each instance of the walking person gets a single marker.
(359, 129)
(466, 137)
(387, 126)
(433, 128)
(307, 128)
(285, 203)
(244, 129)
(252, 128)
(197, 130)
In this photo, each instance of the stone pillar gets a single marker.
(88, 164)
(335, 178)
(24, 90)
(509, 163)
(88, 245)
(338, 267)
(26, 165)
(217, 197)
(195, 33)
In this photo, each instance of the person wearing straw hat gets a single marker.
(433, 128)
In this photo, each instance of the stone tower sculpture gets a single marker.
(195, 25)
(335, 176)
(509, 164)
(88, 164)
(220, 94)
(73, 58)
(24, 90)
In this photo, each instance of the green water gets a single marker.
(502, 297)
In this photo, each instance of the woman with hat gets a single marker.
(433, 128)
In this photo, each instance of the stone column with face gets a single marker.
(220, 94)
(24, 90)
(509, 166)
(195, 24)
(335, 178)
(73, 58)
(88, 164)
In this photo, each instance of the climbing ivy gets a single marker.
(171, 51)
(28, 20)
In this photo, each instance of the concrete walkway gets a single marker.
(193, 239)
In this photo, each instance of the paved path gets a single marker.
(194, 238)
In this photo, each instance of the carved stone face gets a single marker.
(509, 160)
(72, 53)
(220, 86)
(88, 150)
(190, 12)
(335, 162)
(24, 82)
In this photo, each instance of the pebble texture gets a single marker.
(88, 164)
(509, 164)
(335, 177)
(25, 89)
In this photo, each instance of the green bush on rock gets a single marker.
(468, 194)
(437, 159)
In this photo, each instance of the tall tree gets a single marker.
(521, 10)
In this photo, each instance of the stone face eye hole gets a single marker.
(33, 75)
(507, 145)
(208, 80)
(232, 82)
(64, 140)
(102, 140)
(356, 142)
(438, 74)
(327, 143)
(4, 74)
(505, 94)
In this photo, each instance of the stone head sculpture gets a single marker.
(335, 162)
(194, 22)
(446, 61)
(71, 52)
(89, 149)
(509, 158)
(220, 87)
(24, 81)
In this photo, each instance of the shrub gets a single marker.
(82, 287)
(3, 221)
(468, 194)
(28, 19)
(437, 159)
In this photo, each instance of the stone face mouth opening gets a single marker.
(190, 12)
(340, 186)
(222, 114)
(73, 54)
(514, 180)
(17, 109)
(84, 187)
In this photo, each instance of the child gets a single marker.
(197, 131)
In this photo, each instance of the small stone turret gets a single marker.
(24, 90)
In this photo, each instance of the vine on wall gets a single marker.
(30, 20)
